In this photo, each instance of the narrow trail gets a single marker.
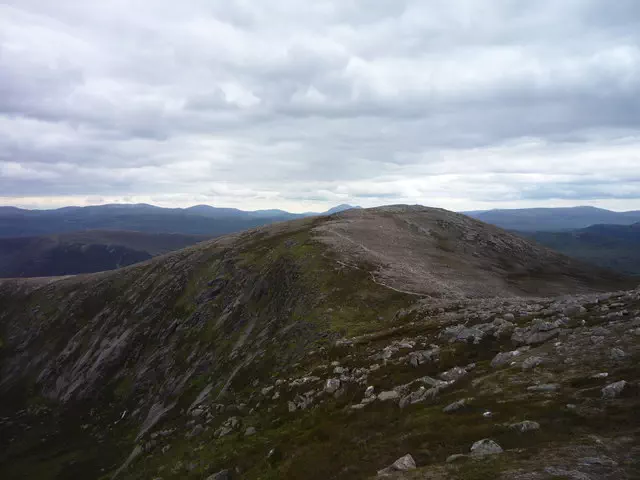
(377, 255)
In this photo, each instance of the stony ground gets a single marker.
(266, 355)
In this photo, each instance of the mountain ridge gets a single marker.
(195, 220)
(282, 352)
(554, 219)
(609, 246)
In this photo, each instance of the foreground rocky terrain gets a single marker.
(399, 342)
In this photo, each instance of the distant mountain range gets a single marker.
(84, 252)
(595, 235)
(554, 219)
(73, 240)
(612, 246)
(196, 220)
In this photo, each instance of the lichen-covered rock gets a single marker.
(532, 362)
(457, 405)
(221, 475)
(389, 395)
(454, 374)
(403, 464)
(461, 333)
(525, 426)
(544, 387)
(332, 385)
(485, 447)
(421, 357)
(504, 358)
(614, 390)
(617, 354)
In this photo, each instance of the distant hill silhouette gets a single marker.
(554, 219)
(611, 246)
(196, 220)
(84, 252)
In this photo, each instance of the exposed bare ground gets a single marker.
(435, 252)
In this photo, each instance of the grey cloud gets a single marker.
(377, 100)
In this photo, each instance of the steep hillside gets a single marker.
(554, 219)
(84, 252)
(308, 350)
(611, 246)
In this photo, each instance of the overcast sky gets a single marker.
(463, 104)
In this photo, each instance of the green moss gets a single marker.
(483, 468)
(124, 388)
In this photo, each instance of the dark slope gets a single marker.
(554, 219)
(169, 362)
(84, 252)
(612, 246)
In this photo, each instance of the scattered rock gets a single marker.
(614, 389)
(566, 474)
(424, 356)
(617, 354)
(572, 310)
(544, 387)
(250, 431)
(532, 362)
(540, 331)
(485, 447)
(388, 395)
(506, 357)
(368, 393)
(525, 426)
(461, 333)
(457, 405)
(197, 430)
(197, 412)
(456, 457)
(332, 385)
(227, 427)
(221, 475)
(403, 464)
(453, 375)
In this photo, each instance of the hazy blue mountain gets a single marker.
(341, 208)
(196, 220)
(84, 252)
(554, 219)
(611, 246)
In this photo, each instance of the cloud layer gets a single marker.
(301, 105)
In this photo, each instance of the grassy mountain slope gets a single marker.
(252, 352)
(84, 252)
